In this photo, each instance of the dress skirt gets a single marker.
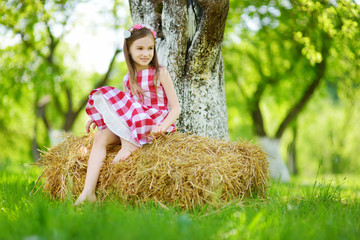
(115, 123)
(126, 117)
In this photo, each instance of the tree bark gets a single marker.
(277, 168)
(190, 35)
(291, 152)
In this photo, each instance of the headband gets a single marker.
(127, 33)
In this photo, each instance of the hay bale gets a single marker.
(178, 169)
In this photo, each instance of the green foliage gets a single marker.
(30, 69)
(318, 211)
(274, 52)
(42, 85)
(329, 128)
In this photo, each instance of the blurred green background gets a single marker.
(292, 72)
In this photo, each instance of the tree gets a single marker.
(38, 71)
(190, 35)
(287, 49)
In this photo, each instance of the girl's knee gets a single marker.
(100, 138)
(104, 137)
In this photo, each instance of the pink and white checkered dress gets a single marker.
(124, 114)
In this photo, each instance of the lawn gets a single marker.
(322, 209)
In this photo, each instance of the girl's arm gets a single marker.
(167, 83)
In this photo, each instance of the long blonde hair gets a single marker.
(135, 35)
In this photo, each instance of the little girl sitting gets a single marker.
(135, 116)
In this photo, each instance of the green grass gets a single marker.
(321, 210)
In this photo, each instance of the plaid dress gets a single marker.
(127, 116)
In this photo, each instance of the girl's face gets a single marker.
(142, 52)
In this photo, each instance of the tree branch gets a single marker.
(52, 45)
(58, 104)
(100, 83)
(69, 98)
(256, 111)
(295, 110)
(41, 110)
(254, 104)
(242, 90)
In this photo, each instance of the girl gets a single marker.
(137, 115)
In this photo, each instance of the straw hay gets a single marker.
(178, 169)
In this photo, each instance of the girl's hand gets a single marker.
(157, 131)
(88, 125)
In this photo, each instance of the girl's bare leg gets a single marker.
(98, 153)
(126, 149)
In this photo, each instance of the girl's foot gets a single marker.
(125, 152)
(84, 197)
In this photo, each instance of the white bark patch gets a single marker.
(191, 28)
(172, 49)
(278, 169)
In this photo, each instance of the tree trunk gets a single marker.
(277, 167)
(189, 40)
(272, 145)
(291, 152)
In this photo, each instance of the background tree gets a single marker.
(285, 47)
(189, 45)
(33, 68)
